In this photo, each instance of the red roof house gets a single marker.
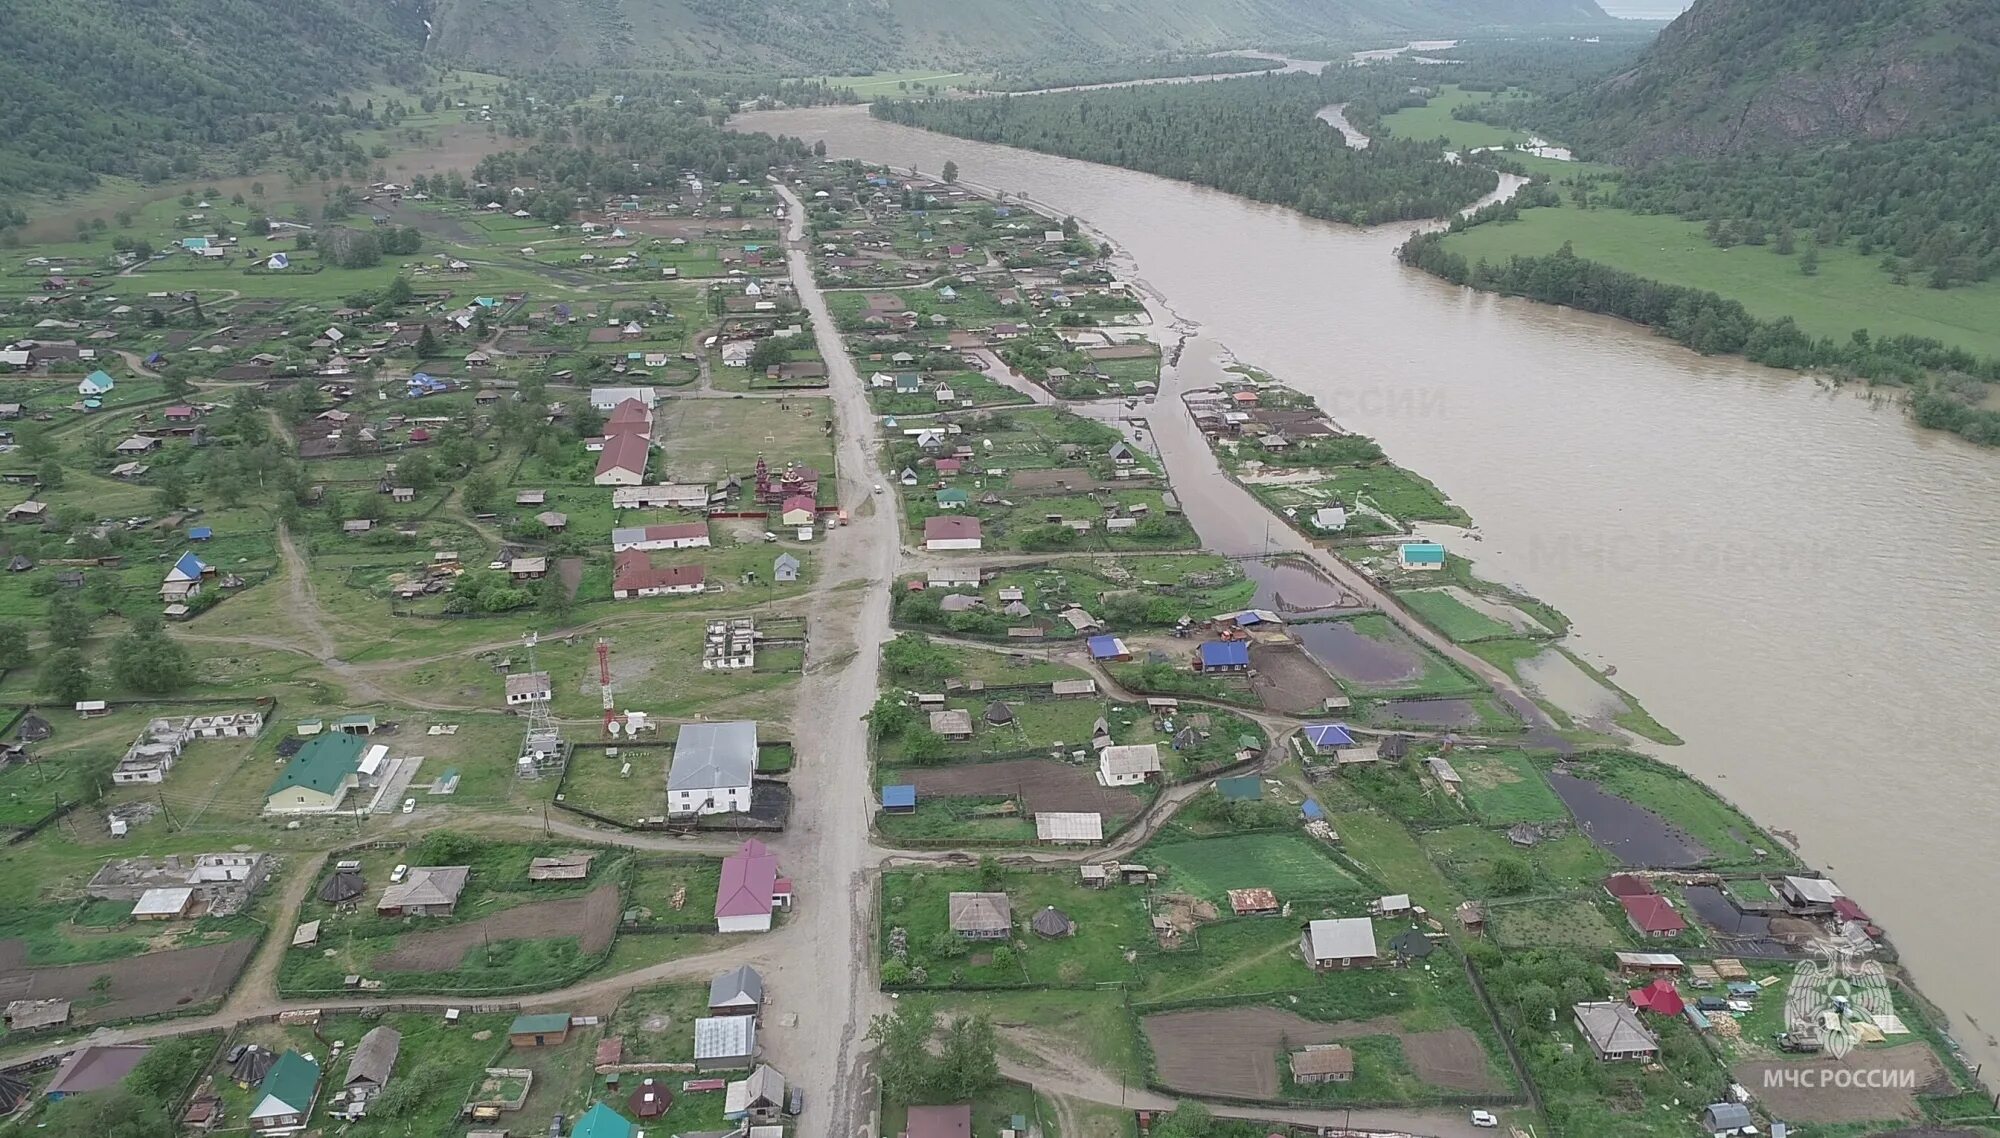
(951, 531)
(633, 574)
(939, 1122)
(1659, 997)
(1653, 916)
(749, 888)
(1628, 885)
(623, 461)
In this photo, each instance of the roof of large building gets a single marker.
(1613, 1027)
(1225, 654)
(953, 527)
(625, 451)
(713, 756)
(322, 764)
(1131, 758)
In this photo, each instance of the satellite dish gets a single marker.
(614, 727)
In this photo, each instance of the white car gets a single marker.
(409, 805)
(397, 874)
(1484, 1119)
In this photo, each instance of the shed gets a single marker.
(1724, 1117)
(1052, 923)
(343, 885)
(1054, 826)
(547, 1030)
(373, 1058)
(739, 991)
(1326, 1063)
(899, 799)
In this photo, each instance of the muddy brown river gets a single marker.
(1796, 580)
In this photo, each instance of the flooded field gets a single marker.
(1429, 712)
(1359, 659)
(1296, 589)
(1557, 679)
(1626, 830)
(1719, 913)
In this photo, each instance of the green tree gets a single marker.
(69, 625)
(555, 599)
(950, 171)
(890, 717)
(115, 1112)
(66, 676)
(1511, 875)
(427, 343)
(969, 1063)
(148, 660)
(1809, 262)
(14, 642)
(1188, 1120)
(902, 1060)
(480, 493)
(51, 473)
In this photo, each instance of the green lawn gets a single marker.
(895, 83)
(1506, 786)
(1433, 120)
(1850, 291)
(1108, 921)
(1452, 616)
(1561, 923)
(1290, 864)
(1729, 837)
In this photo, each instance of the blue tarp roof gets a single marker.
(1104, 647)
(905, 795)
(1311, 810)
(1328, 735)
(1225, 654)
(200, 533)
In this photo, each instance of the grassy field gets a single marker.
(1433, 120)
(894, 83)
(1565, 923)
(1850, 291)
(1289, 863)
(1108, 922)
(1451, 616)
(1505, 787)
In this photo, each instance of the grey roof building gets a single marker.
(374, 1057)
(735, 992)
(713, 756)
(723, 1042)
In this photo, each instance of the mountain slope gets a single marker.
(1733, 76)
(858, 35)
(145, 87)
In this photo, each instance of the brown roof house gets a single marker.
(939, 1122)
(93, 1069)
(429, 891)
(981, 916)
(1327, 1063)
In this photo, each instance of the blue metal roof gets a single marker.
(1225, 654)
(905, 795)
(190, 566)
(1104, 647)
(1328, 735)
(200, 533)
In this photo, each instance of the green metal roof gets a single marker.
(292, 1080)
(601, 1121)
(321, 764)
(540, 1024)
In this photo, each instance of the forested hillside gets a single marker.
(1742, 76)
(145, 89)
(1255, 136)
(844, 36)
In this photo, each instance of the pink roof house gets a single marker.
(750, 890)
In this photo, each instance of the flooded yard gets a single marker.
(1297, 590)
(1359, 659)
(1557, 679)
(1626, 830)
(1430, 712)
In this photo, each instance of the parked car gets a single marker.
(1484, 1119)
(409, 805)
(795, 1102)
(397, 874)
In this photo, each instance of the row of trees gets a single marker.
(1256, 136)
(1712, 324)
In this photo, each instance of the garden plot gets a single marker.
(1236, 1052)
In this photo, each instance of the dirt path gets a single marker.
(256, 991)
(1057, 1071)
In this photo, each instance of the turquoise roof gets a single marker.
(292, 1080)
(322, 764)
(601, 1121)
(1423, 553)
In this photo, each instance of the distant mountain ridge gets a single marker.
(843, 36)
(1738, 76)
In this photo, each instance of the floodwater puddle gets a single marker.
(1557, 679)
(1357, 658)
(1295, 589)
(1626, 830)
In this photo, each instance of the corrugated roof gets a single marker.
(1069, 827)
(321, 765)
(713, 756)
(725, 1037)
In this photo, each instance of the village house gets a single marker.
(756, 1101)
(318, 777)
(1422, 556)
(623, 460)
(94, 1068)
(633, 574)
(1614, 1032)
(285, 1096)
(678, 535)
(1128, 765)
(751, 890)
(1653, 917)
(980, 916)
(737, 992)
(1323, 1063)
(561, 867)
(949, 533)
(939, 1122)
(369, 1067)
(952, 723)
(529, 687)
(724, 1043)
(1344, 942)
(428, 891)
(712, 768)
